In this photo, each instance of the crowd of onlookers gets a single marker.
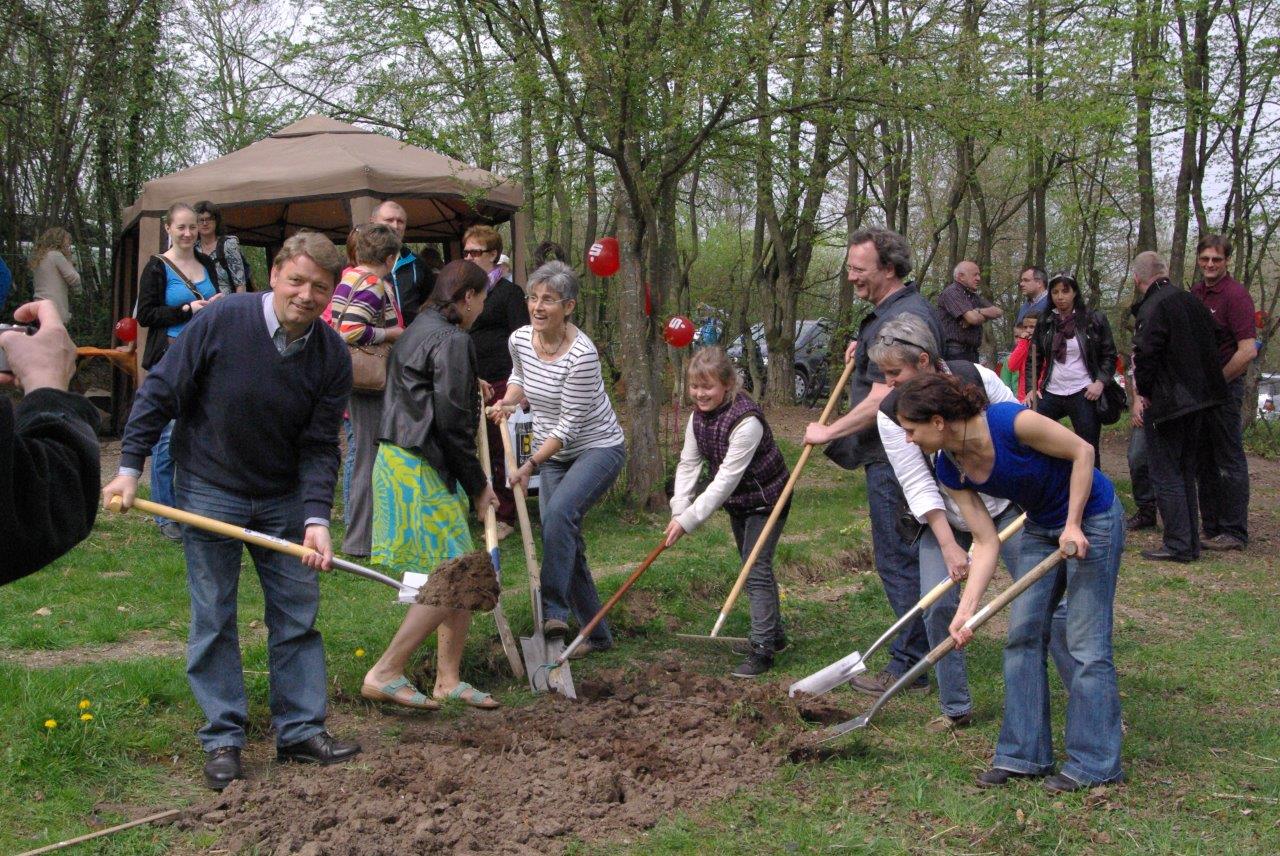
(1186, 458)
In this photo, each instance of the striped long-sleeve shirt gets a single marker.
(362, 309)
(567, 394)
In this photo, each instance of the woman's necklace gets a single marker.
(550, 353)
(955, 458)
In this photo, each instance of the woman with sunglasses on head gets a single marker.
(578, 444)
(1004, 450)
(222, 249)
(1075, 354)
(904, 349)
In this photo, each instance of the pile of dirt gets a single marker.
(640, 746)
(467, 582)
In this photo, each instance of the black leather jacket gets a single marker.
(432, 402)
(1096, 344)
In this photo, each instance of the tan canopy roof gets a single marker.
(305, 176)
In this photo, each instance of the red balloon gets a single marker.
(603, 257)
(678, 332)
(126, 329)
(1260, 319)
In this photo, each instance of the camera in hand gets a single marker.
(29, 329)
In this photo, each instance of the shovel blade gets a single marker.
(836, 731)
(711, 641)
(534, 651)
(558, 678)
(829, 677)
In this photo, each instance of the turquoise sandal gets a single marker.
(387, 694)
(468, 694)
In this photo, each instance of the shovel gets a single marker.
(491, 544)
(408, 593)
(715, 637)
(842, 670)
(542, 658)
(612, 602)
(979, 618)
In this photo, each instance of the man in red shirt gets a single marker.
(1224, 480)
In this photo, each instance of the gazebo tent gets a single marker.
(318, 174)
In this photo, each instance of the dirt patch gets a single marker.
(822, 709)
(640, 746)
(466, 583)
(829, 566)
(135, 647)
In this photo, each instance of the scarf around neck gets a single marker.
(1064, 330)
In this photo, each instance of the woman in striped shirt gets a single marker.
(578, 444)
(365, 312)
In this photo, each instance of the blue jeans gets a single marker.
(348, 464)
(566, 491)
(1083, 414)
(953, 680)
(1092, 739)
(898, 565)
(292, 595)
(162, 471)
(761, 585)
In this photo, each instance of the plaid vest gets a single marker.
(762, 483)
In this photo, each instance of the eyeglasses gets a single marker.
(1208, 260)
(544, 302)
(472, 252)
(203, 220)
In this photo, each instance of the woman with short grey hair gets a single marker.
(904, 339)
(578, 443)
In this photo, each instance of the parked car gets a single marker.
(1269, 396)
(812, 354)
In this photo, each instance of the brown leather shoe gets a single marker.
(1143, 518)
(1222, 543)
(945, 723)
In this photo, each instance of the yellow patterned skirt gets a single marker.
(418, 523)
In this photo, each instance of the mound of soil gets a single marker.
(467, 582)
(641, 746)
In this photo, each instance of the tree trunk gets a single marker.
(644, 458)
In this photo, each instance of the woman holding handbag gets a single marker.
(367, 315)
(174, 286)
(1076, 355)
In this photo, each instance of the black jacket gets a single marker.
(1175, 353)
(154, 314)
(1096, 344)
(432, 402)
(49, 478)
(505, 312)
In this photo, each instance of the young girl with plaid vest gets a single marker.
(728, 432)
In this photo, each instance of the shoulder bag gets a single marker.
(369, 362)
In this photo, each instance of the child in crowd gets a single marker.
(1017, 362)
(728, 432)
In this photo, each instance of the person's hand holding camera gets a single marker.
(45, 359)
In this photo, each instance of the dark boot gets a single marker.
(759, 661)
(1143, 518)
(222, 766)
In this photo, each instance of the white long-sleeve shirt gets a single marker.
(919, 485)
(691, 513)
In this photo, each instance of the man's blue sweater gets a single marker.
(249, 420)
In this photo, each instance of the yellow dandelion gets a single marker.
(145, 701)
(359, 652)
(86, 717)
(51, 724)
(85, 704)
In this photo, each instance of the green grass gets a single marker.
(1196, 649)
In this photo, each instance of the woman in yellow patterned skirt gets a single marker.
(426, 468)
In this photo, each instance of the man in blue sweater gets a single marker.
(257, 385)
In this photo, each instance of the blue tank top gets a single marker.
(1040, 484)
(176, 293)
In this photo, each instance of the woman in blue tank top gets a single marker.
(1008, 451)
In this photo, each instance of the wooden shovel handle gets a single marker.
(522, 509)
(781, 503)
(218, 527)
(617, 595)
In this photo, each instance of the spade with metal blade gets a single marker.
(715, 638)
(842, 670)
(541, 655)
(979, 618)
